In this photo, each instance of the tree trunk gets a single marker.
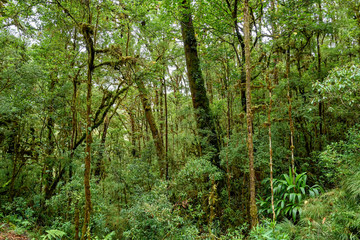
(133, 133)
(99, 169)
(270, 87)
(242, 45)
(152, 124)
(166, 132)
(321, 104)
(249, 116)
(204, 119)
(292, 147)
(87, 32)
(270, 147)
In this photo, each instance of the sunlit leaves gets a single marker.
(343, 85)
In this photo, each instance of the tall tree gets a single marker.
(204, 119)
(153, 126)
(249, 115)
(87, 31)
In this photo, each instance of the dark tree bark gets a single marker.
(321, 104)
(204, 118)
(50, 145)
(134, 151)
(166, 132)
(240, 38)
(99, 169)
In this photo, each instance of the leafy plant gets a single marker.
(53, 234)
(289, 192)
(268, 230)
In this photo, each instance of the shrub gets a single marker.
(289, 193)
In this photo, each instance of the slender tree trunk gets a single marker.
(153, 127)
(242, 45)
(321, 104)
(51, 143)
(99, 169)
(87, 32)
(270, 87)
(166, 133)
(133, 133)
(249, 116)
(76, 221)
(292, 147)
(161, 110)
(14, 155)
(73, 122)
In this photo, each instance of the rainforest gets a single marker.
(179, 119)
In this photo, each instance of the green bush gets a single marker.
(153, 216)
(268, 230)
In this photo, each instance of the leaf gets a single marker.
(53, 234)
(316, 191)
(303, 183)
(287, 209)
(292, 197)
(311, 193)
(299, 176)
(294, 212)
(299, 197)
(110, 236)
(288, 179)
(290, 187)
(5, 184)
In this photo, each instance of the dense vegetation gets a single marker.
(179, 119)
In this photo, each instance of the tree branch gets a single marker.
(101, 120)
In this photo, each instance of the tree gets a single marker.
(204, 119)
(249, 115)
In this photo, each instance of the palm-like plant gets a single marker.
(289, 192)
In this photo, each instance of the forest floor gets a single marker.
(8, 234)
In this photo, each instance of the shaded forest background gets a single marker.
(222, 119)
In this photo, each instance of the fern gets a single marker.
(110, 236)
(53, 235)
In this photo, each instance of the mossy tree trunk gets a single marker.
(249, 116)
(153, 127)
(87, 32)
(204, 119)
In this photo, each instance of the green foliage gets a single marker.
(43, 61)
(153, 217)
(351, 186)
(268, 231)
(341, 159)
(235, 234)
(335, 214)
(18, 213)
(289, 193)
(53, 235)
(342, 84)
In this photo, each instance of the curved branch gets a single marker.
(101, 120)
